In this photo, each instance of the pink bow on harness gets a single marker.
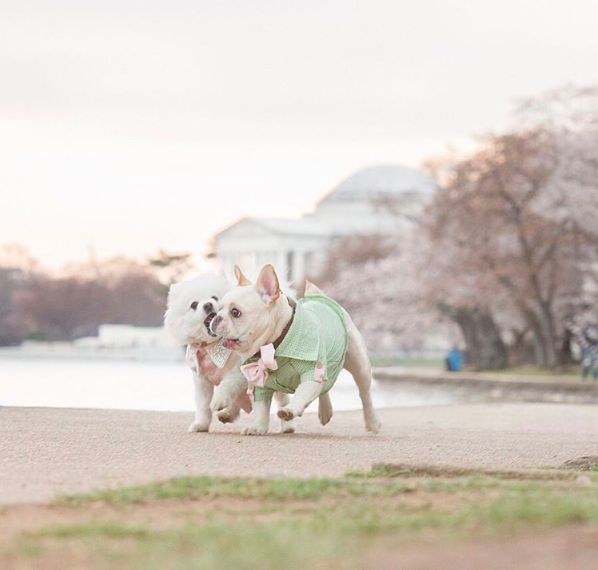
(257, 372)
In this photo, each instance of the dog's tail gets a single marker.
(311, 289)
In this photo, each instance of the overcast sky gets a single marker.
(127, 125)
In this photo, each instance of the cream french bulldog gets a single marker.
(294, 347)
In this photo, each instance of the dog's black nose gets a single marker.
(208, 307)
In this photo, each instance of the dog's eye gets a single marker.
(235, 313)
(214, 297)
(194, 305)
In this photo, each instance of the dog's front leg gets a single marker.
(230, 414)
(226, 396)
(203, 395)
(261, 419)
(305, 394)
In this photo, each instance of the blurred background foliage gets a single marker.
(502, 260)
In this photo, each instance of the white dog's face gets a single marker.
(249, 312)
(191, 307)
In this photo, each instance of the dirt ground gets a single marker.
(45, 452)
(462, 516)
(567, 548)
(563, 549)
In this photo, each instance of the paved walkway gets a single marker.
(47, 451)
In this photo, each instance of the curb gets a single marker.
(496, 387)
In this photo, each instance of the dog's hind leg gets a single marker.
(324, 408)
(282, 399)
(358, 364)
(305, 394)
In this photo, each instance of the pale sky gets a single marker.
(128, 125)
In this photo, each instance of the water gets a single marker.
(161, 386)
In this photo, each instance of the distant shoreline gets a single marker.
(66, 351)
(495, 387)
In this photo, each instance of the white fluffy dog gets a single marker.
(216, 376)
(218, 381)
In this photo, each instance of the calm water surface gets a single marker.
(162, 386)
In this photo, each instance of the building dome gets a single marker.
(383, 180)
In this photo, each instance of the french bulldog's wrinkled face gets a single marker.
(248, 312)
(190, 312)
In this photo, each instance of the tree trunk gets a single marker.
(485, 347)
(566, 350)
(545, 341)
(540, 356)
(522, 349)
(550, 336)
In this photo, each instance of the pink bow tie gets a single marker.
(257, 372)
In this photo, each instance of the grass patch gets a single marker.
(585, 463)
(95, 530)
(383, 480)
(394, 470)
(321, 522)
(193, 488)
(405, 361)
(569, 373)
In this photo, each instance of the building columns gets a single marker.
(299, 269)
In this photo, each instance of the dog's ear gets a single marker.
(241, 279)
(172, 292)
(311, 289)
(267, 285)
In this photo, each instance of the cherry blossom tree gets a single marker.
(506, 251)
(376, 280)
(519, 217)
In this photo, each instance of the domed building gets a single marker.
(377, 200)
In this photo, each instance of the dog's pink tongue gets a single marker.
(230, 344)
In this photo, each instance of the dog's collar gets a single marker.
(284, 332)
(286, 329)
(216, 351)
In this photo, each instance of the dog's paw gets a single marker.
(373, 425)
(199, 427)
(285, 414)
(287, 427)
(255, 430)
(324, 413)
(227, 416)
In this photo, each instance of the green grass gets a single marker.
(193, 488)
(570, 373)
(390, 470)
(95, 530)
(382, 361)
(383, 480)
(567, 374)
(292, 524)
